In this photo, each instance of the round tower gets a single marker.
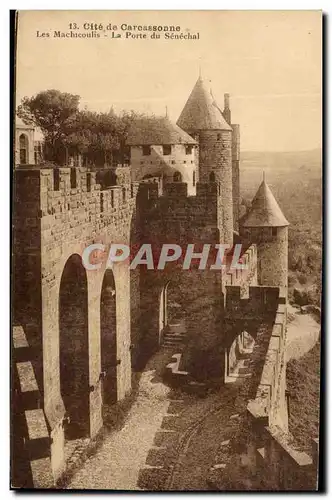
(202, 119)
(266, 225)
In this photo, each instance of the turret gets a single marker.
(235, 161)
(266, 225)
(227, 111)
(203, 119)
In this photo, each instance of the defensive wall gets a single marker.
(262, 455)
(59, 306)
(57, 214)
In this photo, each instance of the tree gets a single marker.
(53, 112)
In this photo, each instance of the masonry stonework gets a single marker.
(98, 326)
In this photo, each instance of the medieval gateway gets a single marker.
(80, 335)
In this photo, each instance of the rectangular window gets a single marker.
(73, 178)
(88, 182)
(189, 149)
(274, 231)
(56, 179)
(23, 157)
(146, 150)
(167, 149)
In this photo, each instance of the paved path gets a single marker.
(117, 463)
(302, 333)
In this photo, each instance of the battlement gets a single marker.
(261, 301)
(57, 190)
(153, 188)
(246, 276)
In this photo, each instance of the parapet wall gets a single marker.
(260, 301)
(243, 277)
(273, 454)
(175, 217)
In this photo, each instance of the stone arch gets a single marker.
(24, 149)
(239, 350)
(108, 338)
(172, 316)
(74, 348)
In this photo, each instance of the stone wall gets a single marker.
(157, 162)
(215, 157)
(236, 174)
(272, 250)
(274, 458)
(58, 216)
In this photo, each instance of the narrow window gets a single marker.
(177, 177)
(189, 149)
(24, 147)
(123, 194)
(274, 231)
(146, 150)
(167, 149)
(194, 178)
(73, 178)
(56, 179)
(212, 177)
(218, 137)
(88, 182)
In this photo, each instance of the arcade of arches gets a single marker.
(74, 346)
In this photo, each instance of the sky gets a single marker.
(268, 61)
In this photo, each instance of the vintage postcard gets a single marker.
(167, 250)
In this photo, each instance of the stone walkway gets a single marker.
(302, 333)
(117, 463)
(123, 454)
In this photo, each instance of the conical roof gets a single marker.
(264, 211)
(201, 112)
(157, 131)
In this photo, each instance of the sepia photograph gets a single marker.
(166, 253)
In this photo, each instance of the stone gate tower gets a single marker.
(203, 120)
(266, 225)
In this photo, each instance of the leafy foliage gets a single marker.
(303, 382)
(100, 137)
(52, 111)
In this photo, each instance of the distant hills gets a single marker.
(279, 168)
(295, 178)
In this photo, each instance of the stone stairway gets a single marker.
(174, 335)
(30, 435)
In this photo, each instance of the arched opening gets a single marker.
(177, 177)
(163, 321)
(24, 149)
(237, 356)
(74, 348)
(212, 177)
(172, 323)
(108, 338)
